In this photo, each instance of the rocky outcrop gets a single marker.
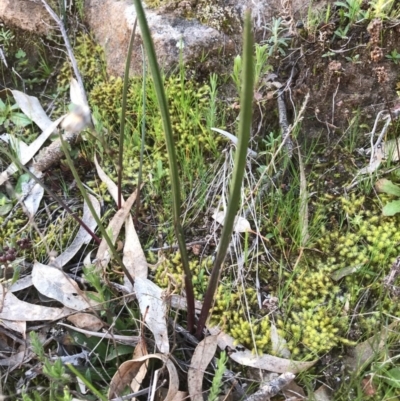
(29, 15)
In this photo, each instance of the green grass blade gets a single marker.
(123, 114)
(173, 165)
(246, 112)
(86, 382)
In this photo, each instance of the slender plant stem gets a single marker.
(143, 138)
(92, 210)
(173, 167)
(87, 383)
(246, 111)
(56, 198)
(123, 114)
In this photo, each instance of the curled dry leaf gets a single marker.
(267, 362)
(103, 255)
(86, 321)
(55, 284)
(140, 350)
(154, 311)
(82, 237)
(202, 356)
(133, 258)
(129, 369)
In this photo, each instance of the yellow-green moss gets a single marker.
(170, 274)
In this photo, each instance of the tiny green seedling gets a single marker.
(394, 56)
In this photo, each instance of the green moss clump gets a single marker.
(170, 273)
(91, 63)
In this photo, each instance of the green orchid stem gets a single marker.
(173, 165)
(143, 138)
(246, 112)
(56, 198)
(91, 208)
(123, 114)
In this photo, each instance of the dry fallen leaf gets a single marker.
(103, 255)
(364, 352)
(55, 284)
(32, 108)
(278, 343)
(134, 258)
(140, 350)
(267, 362)
(82, 237)
(16, 310)
(202, 356)
(129, 369)
(154, 311)
(86, 321)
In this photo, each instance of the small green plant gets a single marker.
(394, 56)
(351, 10)
(218, 375)
(354, 59)
(341, 33)
(6, 39)
(277, 42)
(262, 54)
(10, 116)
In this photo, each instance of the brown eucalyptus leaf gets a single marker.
(129, 369)
(202, 356)
(103, 255)
(133, 258)
(140, 350)
(86, 321)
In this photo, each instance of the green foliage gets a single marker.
(394, 56)
(351, 10)
(170, 274)
(261, 57)
(387, 186)
(9, 115)
(6, 39)
(37, 346)
(218, 376)
(91, 63)
(277, 41)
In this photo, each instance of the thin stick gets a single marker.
(69, 49)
